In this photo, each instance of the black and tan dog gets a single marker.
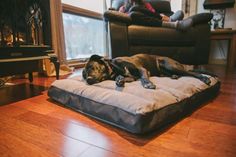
(140, 66)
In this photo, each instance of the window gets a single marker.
(92, 5)
(84, 30)
(83, 36)
(176, 5)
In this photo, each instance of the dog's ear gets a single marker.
(95, 58)
(106, 59)
(84, 74)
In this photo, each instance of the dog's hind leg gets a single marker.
(146, 83)
(176, 68)
(170, 74)
(201, 77)
(201, 71)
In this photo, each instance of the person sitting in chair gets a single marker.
(140, 5)
(144, 14)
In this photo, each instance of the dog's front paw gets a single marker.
(120, 81)
(175, 77)
(148, 84)
(206, 80)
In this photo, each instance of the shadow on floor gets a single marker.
(13, 93)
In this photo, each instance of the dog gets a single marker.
(140, 66)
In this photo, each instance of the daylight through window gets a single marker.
(84, 35)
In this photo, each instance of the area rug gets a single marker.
(13, 93)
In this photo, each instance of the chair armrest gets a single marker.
(112, 15)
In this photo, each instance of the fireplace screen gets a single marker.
(24, 22)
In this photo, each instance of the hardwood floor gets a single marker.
(38, 127)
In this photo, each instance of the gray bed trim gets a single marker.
(134, 123)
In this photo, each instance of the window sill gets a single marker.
(76, 64)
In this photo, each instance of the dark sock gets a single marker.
(184, 25)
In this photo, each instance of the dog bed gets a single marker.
(134, 108)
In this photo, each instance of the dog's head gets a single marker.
(96, 70)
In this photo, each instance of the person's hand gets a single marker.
(165, 18)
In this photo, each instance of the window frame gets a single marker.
(80, 11)
(66, 8)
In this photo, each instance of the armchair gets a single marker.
(126, 39)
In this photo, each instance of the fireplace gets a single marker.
(25, 22)
(25, 35)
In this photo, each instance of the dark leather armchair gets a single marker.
(190, 47)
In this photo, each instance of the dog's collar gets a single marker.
(117, 69)
(158, 65)
(113, 69)
(109, 66)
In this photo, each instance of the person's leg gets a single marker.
(177, 16)
(185, 24)
(142, 19)
(182, 25)
(145, 11)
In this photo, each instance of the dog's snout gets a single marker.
(90, 80)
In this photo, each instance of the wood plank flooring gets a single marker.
(37, 127)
